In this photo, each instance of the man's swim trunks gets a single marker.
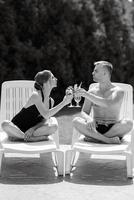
(103, 128)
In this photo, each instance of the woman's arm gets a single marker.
(45, 111)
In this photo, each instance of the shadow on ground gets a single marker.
(106, 172)
(29, 170)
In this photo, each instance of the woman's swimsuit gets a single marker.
(28, 117)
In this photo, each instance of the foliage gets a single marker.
(65, 36)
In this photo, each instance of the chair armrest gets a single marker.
(132, 138)
(3, 136)
(55, 136)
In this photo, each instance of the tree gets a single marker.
(66, 37)
(116, 35)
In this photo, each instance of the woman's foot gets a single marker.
(89, 139)
(37, 138)
(15, 139)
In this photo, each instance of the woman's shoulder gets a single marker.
(35, 97)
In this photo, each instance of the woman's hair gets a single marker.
(41, 78)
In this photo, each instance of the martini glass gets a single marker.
(69, 90)
(77, 100)
(77, 97)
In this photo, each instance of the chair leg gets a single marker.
(59, 161)
(1, 157)
(68, 161)
(71, 158)
(129, 166)
(54, 159)
(75, 157)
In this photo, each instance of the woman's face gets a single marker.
(52, 82)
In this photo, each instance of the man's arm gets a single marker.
(86, 109)
(104, 102)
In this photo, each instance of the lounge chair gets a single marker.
(14, 95)
(126, 148)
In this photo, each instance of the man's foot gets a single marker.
(114, 140)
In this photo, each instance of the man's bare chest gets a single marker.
(104, 94)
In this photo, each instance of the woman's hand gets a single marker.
(28, 134)
(69, 90)
(69, 96)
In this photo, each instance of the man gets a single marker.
(105, 99)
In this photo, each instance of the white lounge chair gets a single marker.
(126, 148)
(14, 95)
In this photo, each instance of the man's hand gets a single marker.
(91, 125)
(80, 92)
(68, 98)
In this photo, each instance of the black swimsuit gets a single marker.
(102, 128)
(28, 117)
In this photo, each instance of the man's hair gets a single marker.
(105, 64)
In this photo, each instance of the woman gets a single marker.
(34, 122)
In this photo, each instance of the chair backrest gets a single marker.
(14, 95)
(127, 104)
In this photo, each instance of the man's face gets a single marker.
(98, 73)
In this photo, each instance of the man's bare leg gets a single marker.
(120, 129)
(81, 125)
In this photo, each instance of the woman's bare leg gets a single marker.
(81, 125)
(12, 130)
(46, 129)
(43, 130)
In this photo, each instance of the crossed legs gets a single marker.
(112, 136)
(43, 130)
(12, 130)
(40, 132)
(120, 129)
